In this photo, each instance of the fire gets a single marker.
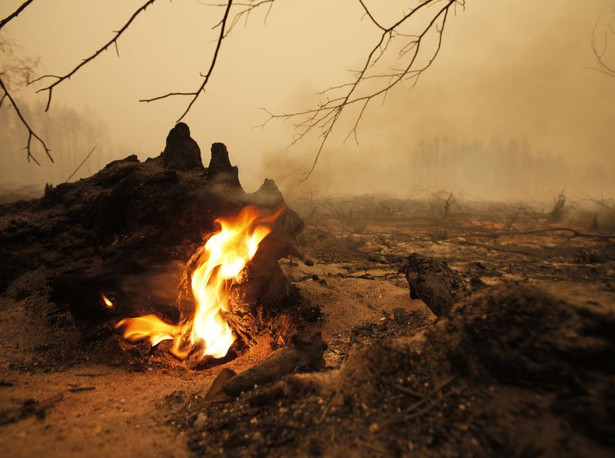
(107, 301)
(223, 258)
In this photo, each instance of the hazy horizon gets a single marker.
(508, 72)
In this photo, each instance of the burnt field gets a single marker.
(430, 327)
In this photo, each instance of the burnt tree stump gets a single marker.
(220, 170)
(181, 151)
(129, 232)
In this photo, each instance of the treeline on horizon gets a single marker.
(494, 170)
(70, 135)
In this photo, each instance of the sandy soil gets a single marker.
(105, 410)
(60, 396)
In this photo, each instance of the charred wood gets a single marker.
(181, 151)
(29, 408)
(434, 282)
(303, 354)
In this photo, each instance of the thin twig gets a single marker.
(326, 114)
(325, 412)
(79, 389)
(80, 165)
(603, 39)
(195, 94)
(29, 408)
(424, 405)
(112, 41)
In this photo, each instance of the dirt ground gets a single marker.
(387, 389)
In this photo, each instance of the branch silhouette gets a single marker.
(112, 41)
(195, 94)
(603, 36)
(15, 13)
(368, 83)
(325, 116)
(31, 134)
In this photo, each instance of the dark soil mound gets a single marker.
(519, 334)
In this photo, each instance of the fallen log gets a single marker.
(303, 354)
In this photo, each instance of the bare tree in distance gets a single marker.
(403, 50)
(18, 71)
(603, 42)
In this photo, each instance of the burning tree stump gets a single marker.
(129, 231)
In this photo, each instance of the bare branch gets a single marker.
(602, 33)
(31, 134)
(112, 41)
(325, 116)
(195, 94)
(80, 165)
(369, 14)
(15, 13)
(225, 28)
(170, 94)
(244, 13)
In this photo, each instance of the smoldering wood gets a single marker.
(304, 354)
(134, 225)
(434, 282)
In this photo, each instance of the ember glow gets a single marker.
(223, 258)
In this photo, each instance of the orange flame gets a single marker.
(224, 258)
(107, 301)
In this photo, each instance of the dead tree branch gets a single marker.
(195, 94)
(325, 116)
(112, 41)
(226, 27)
(15, 13)
(602, 34)
(244, 13)
(80, 165)
(31, 134)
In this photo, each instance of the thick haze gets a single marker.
(512, 107)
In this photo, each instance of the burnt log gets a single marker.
(434, 282)
(304, 354)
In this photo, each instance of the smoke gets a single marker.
(512, 109)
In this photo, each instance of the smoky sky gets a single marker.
(521, 71)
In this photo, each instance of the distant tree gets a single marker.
(404, 49)
(72, 133)
(15, 72)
